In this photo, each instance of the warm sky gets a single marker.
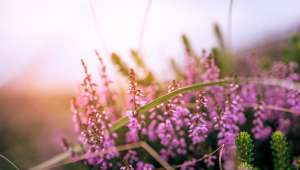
(46, 38)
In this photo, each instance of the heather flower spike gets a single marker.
(198, 125)
(260, 131)
(103, 72)
(135, 93)
(92, 122)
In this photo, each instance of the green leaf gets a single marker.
(144, 109)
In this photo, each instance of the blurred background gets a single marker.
(42, 42)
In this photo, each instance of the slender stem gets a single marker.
(53, 162)
(229, 22)
(220, 157)
(209, 154)
(271, 107)
(120, 148)
(156, 156)
(97, 26)
(145, 19)
(9, 161)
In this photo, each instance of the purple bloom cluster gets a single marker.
(198, 125)
(231, 116)
(259, 130)
(209, 160)
(92, 123)
(189, 165)
(180, 127)
(170, 128)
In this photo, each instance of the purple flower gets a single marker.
(92, 123)
(144, 166)
(129, 167)
(189, 165)
(198, 128)
(131, 156)
(209, 160)
(134, 127)
(212, 72)
(228, 122)
(259, 130)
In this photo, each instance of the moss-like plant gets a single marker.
(245, 148)
(280, 151)
(246, 166)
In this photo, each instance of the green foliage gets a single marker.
(123, 68)
(222, 54)
(138, 59)
(245, 148)
(187, 45)
(179, 74)
(246, 166)
(293, 53)
(219, 36)
(280, 151)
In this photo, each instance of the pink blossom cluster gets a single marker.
(186, 127)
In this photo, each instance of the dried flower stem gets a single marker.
(220, 157)
(97, 26)
(229, 22)
(271, 107)
(9, 161)
(209, 154)
(120, 148)
(145, 18)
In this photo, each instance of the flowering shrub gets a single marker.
(185, 128)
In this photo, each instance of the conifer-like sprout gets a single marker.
(245, 148)
(280, 151)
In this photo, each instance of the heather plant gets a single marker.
(191, 122)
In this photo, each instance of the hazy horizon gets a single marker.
(45, 40)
